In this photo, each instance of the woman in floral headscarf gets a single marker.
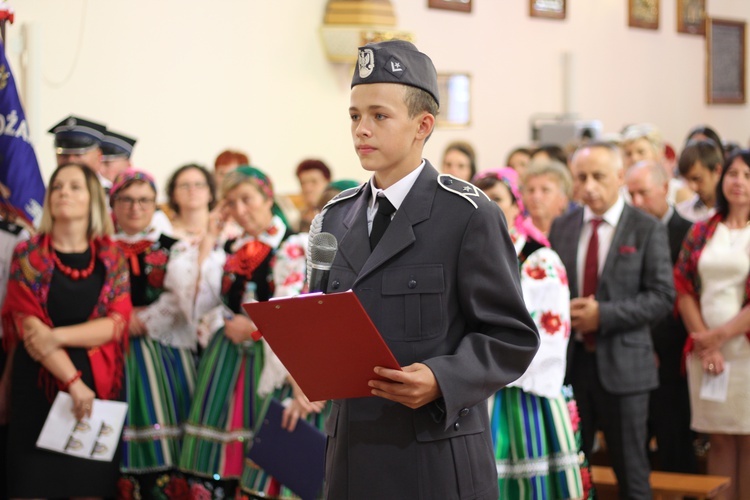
(159, 367)
(65, 324)
(547, 466)
(238, 370)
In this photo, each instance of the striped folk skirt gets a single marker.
(223, 412)
(536, 446)
(159, 383)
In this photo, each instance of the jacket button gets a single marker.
(463, 412)
(456, 426)
(412, 284)
(335, 284)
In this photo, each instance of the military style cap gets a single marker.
(116, 145)
(396, 61)
(75, 135)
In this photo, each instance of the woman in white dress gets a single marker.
(712, 277)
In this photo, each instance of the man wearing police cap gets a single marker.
(79, 141)
(116, 151)
(430, 259)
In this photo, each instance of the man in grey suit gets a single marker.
(669, 405)
(442, 287)
(620, 275)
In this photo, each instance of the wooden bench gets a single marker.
(664, 485)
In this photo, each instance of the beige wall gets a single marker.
(191, 78)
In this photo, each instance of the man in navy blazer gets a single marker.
(611, 363)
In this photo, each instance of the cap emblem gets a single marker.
(366, 62)
(71, 122)
(395, 67)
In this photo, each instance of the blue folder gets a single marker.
(295, 459)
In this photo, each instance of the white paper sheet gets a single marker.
(94, 438)
(715, 387)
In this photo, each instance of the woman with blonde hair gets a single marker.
(65, 321)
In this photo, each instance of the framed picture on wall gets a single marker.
(725, 61)
(459, 5)
(643, 14)
(455, 100)
(552, 9)
(691, 16)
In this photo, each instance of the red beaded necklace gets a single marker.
(75, 274)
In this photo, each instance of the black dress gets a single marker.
(37, 473)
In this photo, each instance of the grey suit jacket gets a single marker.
(635, 290)
(442, 287)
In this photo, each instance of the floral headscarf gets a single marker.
(265, 185)
(509, 178)
(125, 177)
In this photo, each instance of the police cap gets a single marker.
(116, 145)
(396, 61)
(75, 135)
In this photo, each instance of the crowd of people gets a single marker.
(652, 320)
(115, 297)
(632, 263)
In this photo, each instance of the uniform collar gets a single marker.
(398, 191)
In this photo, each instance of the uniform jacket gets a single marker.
(635, 290)
(442, 287)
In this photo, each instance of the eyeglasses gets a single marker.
(130, 202)
(186, 186)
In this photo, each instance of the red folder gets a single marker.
(327, 342)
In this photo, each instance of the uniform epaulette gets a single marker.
(343, 195)
(317, 223)
(466, 190)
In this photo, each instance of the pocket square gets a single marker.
(625, 250)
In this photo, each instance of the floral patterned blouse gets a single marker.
(545, 290)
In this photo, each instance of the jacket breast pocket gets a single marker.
(412, 307)
(627, 272)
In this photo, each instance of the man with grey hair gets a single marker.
(669, 408)
(621, 279)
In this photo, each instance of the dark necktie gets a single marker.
(591, 274)
(381, 220)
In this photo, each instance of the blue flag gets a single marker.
(19, 170)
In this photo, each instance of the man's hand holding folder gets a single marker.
(413, 386)
(331, 347)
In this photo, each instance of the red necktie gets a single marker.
(591, 274)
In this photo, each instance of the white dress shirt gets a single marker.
(395, 194)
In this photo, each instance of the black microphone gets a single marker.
(323, 248)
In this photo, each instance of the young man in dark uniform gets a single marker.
(430, 259)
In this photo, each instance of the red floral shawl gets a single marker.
(686, 278)
(28, 287)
